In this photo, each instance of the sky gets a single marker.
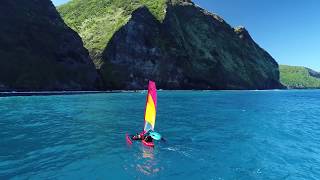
(59, 2)
(288, 29)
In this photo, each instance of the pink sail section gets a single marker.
(151, 108)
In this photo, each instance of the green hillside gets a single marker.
(299, 77)
(97, 20)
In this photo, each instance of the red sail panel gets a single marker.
(151, 107)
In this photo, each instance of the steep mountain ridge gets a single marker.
(39, 52)
(97, 20)
(176, 43)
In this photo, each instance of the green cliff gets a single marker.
(297, 77)
(39, 52)
(174, 42)
(97, 20)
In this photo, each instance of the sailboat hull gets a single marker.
(128, 138)
(149, 144)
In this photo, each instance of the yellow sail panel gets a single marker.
(150, 114)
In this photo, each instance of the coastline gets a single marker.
(55, 93)
(52, 93)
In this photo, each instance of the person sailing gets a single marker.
(146, 137)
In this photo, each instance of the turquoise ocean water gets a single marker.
(210, 135)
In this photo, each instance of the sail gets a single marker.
(151, 107)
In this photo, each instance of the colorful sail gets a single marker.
(151, 107)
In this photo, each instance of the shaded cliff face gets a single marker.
(39, 52)
(190, 49)
(186, 48)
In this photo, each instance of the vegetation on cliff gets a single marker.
(97, 20)
(297, 77)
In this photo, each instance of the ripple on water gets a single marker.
(209, 135)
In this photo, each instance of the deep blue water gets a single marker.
(210, 135)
